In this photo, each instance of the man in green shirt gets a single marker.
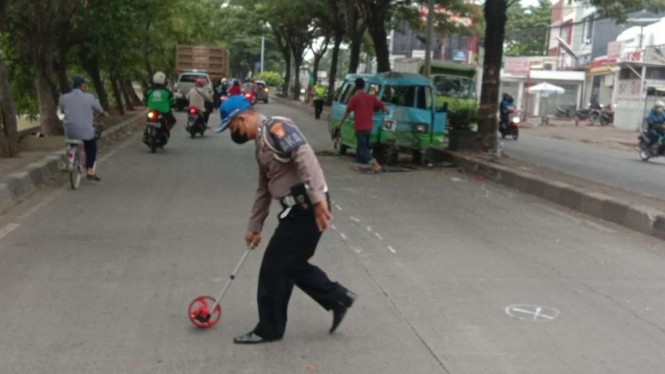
(159, 98)
(319, 99)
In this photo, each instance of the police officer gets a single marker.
(290, 173)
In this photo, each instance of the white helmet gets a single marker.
(223, 80)
(159, 78)
(659, 104)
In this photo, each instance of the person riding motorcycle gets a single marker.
(223, 88)
(655, 121)
(235, 89)
(200, 99)
(504, 109)
(159, 98)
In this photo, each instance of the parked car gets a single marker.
(413, 124)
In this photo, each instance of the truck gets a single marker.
(198, 61)
(454, 84)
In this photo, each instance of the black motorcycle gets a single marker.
(562, 112)
(591, 114)
(196, 123)
(511, 127)
(606, 115)
(650, 151)
(156, 132)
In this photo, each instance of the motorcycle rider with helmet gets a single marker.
(504, 109)
(159, 98)
(235, 89)
(200, 99)
(655, 121)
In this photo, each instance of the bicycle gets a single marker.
(76, 158)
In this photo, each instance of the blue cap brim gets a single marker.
(222, 126)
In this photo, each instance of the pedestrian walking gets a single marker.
(319, 99)
(363, 105)
(290, 173)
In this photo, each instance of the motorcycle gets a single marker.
(251, 97)
(195, 122)
(650, 151)
(606, 115)
(156, 134)
(591, 114)
(562, 112)
(512, 126)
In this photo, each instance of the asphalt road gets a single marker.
(614, 167)
(454, 275)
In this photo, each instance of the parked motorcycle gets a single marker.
(155, 134)
(195, 122)
(591, 114)
(512, 126)
(564, 112)
(606, 115)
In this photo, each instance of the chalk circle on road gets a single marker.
(534, 313)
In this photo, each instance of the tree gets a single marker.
(9, 132)
(536, 19)
(378, 13)
(495, 12)
(318, 53)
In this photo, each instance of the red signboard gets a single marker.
(517, 66)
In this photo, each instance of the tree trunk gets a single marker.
(287, 76)
(354, 61)
(133, 97)
(297, 62)
(333, 66)
(125, 95)
(90, 64)
(315, 66)
(9, 133)
(117, 94)
(379, 37)
(495, 18)
(48, 120)
(61, 70)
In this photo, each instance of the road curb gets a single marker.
(639, 218)
(18, 185)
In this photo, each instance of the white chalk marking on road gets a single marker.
(369, 228)
(533, 313)
(8, 229)
(357, 249)
(391, 249)
(378, 235)
(455, 179)
(354, 219)
(217, 280)
(338, 207)
(341, 235)
(334, 227)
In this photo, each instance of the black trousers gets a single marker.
(90, 147)
(285, 264)
(318, 108)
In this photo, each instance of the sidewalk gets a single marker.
(637, 211)
(606, 137)
(41, 159)
(325, 115)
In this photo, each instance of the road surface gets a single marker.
(454, 275)
(614, 167)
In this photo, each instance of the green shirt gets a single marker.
(159, 99)
(320, 92)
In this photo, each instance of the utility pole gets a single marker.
(428, 38)
(263, 46)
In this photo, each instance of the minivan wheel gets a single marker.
(386, 154)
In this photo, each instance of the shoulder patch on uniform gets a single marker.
(285, 136)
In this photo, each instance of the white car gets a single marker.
(186, 83)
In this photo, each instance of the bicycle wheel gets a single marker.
(75, 171)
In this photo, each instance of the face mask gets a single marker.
(239, 138)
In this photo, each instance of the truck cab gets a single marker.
(185, 83)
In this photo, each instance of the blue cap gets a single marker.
(230, 109)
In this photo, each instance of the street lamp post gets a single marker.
(428, 38)
(263, 47)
